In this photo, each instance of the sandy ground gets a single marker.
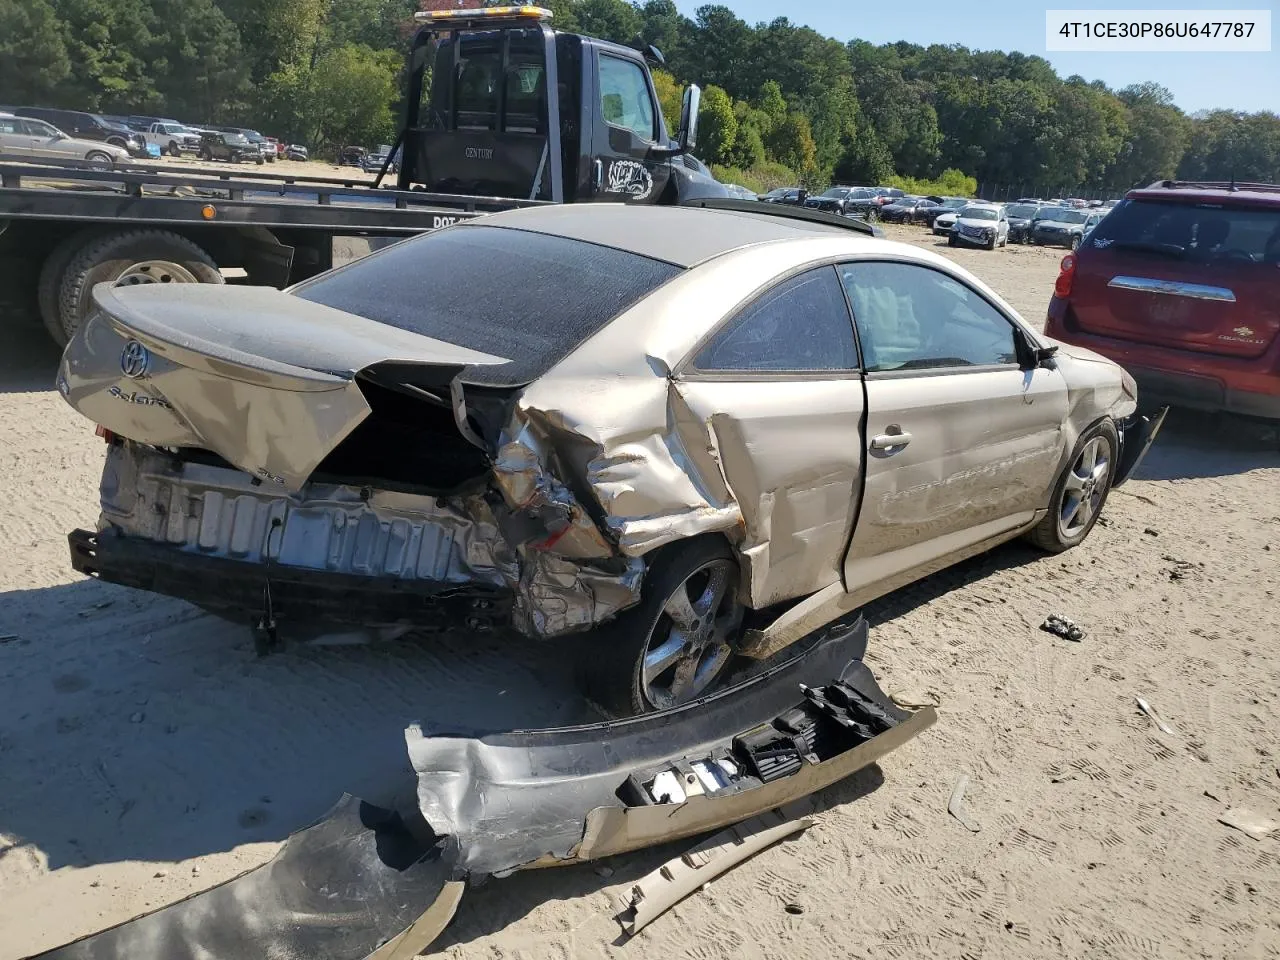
(146, 753)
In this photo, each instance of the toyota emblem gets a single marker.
(135, 360)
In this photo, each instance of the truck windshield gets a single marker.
(529, 297)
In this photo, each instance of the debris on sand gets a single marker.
(955, 806)
(1062, 627)
(1150, 711)
(1246, 821)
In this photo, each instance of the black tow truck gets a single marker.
(501, 111)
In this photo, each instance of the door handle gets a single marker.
(599, 175)
(887, 441)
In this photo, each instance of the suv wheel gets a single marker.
(1075, 242)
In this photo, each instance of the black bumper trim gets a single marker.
(1136, 436)
(238, 590)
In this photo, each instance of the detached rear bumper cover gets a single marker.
(546, 797)
(355, 885)
(360, 885)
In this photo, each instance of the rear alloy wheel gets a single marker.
(1081, 491)
(673, 646)
(129, 257)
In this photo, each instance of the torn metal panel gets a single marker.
(357, 885)
(546, 797)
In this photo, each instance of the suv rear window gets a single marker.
(1192, 231)
(529, 297)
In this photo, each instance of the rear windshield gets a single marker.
(528, 297)
(1192, 231)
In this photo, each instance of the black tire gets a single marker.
(873, 214)
(1049, 534)
(98, 160)
(611, 666)
(1075, 243)
(49, 285)
(951, 241)
(105, 258)
(992, 244)
(173, 149)
(205, 155)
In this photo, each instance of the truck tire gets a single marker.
(174, 151)
(143, 256)
(49, 286)
(612, 667)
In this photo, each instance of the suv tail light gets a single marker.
(1066, 276)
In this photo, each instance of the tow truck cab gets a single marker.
(500, 104)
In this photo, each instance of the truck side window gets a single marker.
(624, 97)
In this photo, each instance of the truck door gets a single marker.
(627, 132)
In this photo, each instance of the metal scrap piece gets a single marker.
(1150, 711)
(356, 885)
(657, 892)
(955, 806)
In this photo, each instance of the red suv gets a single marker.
(1180, 284)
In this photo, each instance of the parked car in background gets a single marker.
(352, 156)
(26, 138)
(795, 196)
(295, 151)
(1022, 217)
(215, 145)
(1062, 227)
(945, 206)
(276, 147)
(841, 200)
(980, 224)
(373, 162)
(264, 145)
(740, 192)
(908, 210)
(590, 345)
(89, 126)
(945, 222)
(1179, 284)
(170, 136)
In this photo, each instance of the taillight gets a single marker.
(1066, 276)
(104, 433)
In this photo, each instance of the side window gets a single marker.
(624, 97)
(915, 318)
(801, 324)
(38, 128)
(9, 125)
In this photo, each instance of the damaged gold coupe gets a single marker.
(686, 434)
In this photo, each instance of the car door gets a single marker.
(43, 140)
(15, 141)
(626, 131)
(963, 443)
(773, 401)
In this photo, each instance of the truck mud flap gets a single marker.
(356, 885)
(541, 798)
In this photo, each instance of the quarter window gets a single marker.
(624, 97)
(915, 318)
(800, 325)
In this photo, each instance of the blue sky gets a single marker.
(1199, 81)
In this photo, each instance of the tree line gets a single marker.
(781, 103)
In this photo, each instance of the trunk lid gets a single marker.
(264, 379)
(1200, 276)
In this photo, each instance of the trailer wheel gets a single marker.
(49, 287)
(130, 257)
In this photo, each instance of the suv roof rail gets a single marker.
(782, 210)
(1232, 185)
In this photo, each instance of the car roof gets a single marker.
(1244, 194)
(683, 236)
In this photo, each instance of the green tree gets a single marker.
(195, 60)
(614, 20)
(717, 126)
(33, 56)
(670, 99)
(108, 43)
(791, 144)
(1158, 133)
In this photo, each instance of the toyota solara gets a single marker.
(682, 434)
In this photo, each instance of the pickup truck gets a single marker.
(480, 133)
(170, 136)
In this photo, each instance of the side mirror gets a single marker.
(689, 105)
